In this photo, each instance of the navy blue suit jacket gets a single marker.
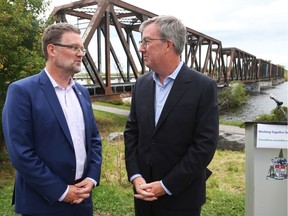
(179, 148)
(40, 145)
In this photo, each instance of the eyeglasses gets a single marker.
(147, 41)
(74, 48)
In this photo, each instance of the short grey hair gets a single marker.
(169, 28)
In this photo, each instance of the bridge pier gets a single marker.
(278, 81)
(252, 87)
(264, 84)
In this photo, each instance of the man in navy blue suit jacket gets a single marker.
(172, 130)
(51, 133)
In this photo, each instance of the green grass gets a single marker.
(6, 184)
(111, 199)
(233, 123)
(109, 122)
(115, 103)
(114, 197)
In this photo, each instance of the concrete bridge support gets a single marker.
(278, 81)
(253, 87)
(258, 86)
(263, 84)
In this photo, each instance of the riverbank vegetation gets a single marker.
(232, 97)
(277, 114)
(225, 188)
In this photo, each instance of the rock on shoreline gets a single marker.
(226, 141)
(229, 141)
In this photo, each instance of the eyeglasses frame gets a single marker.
(145, 41)
(74, 48)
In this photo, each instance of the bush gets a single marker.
(275, 115)
(232, 96)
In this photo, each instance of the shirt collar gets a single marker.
(54, 83)
(172, 75)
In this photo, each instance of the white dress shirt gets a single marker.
(75, 121)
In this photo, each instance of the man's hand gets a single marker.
(155, 188)
(147, 192)
(78, 192)
(72, 195)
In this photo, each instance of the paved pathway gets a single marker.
(222, 128)
(111, 109)
(231, 129)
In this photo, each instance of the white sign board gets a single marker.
(272, 136)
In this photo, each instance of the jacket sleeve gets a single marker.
(18, 129)
(131, 135)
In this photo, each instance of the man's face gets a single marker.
(152, 46)
(69, 58)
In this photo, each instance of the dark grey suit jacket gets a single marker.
(179, 149)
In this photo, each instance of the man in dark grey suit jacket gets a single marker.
(172, 130)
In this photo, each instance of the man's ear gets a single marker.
(51, 50)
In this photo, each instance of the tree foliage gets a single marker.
(20, 42)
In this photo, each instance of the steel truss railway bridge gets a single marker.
(113, 62)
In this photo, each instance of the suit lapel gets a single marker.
(150, 98)
(51, 97)
(178, 89)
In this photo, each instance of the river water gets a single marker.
(259, 103)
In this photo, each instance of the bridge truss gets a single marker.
(113, 62)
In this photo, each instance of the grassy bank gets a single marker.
(225, 188)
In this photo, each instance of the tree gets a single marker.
(20, 43)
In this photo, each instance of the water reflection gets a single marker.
(259, 103)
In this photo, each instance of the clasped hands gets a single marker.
(78, 192)
(147, 191)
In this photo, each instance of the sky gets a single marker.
(258, 27)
